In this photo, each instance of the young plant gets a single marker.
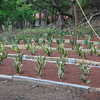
(18, 63)
(93, 50)
(28, 43)
(41, 62)
(62, 50)
(3, 54)
(36, 39)
(31, 48)
(79, 51)
(60, 66)
(49, 40)
(41, 42)
(85, 72)
(47, 49)
(60, 41)
(15, 48)
(73, 43)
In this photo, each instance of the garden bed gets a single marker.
(72, 72)
(71, 54)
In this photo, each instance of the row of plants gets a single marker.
(3, 53)
(47, 48)
(40, 66)
(41, 62)
(46, 33)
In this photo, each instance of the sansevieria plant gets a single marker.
(41, 62)
(79, 50)
(18, 63)
(3, 53)
(49, 40)
(62, 50)
(93, 50)
(47, 49)
(85, 72)
(60, 66)
(15, 48)
(31, 48)
(73, 43)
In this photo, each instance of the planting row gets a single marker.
(47, 50)
(70, 73)
(41, 61)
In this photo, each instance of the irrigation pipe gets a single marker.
(42, 81)
(39, 47)
(78, 41)
(87, 19)
(54, 59)
(49, 82)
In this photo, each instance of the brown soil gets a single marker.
(94, 38)
(71, 54)
(72, 72)
(20, 90)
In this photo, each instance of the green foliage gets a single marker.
(18, 63)
(15, 48)
(84, 3)
(15, 11)
(3, 53)
(41, 61)
(93, 50)
(60, 66)
(47, 49)
(73, 42)
(85, 72)
(49, 39)
(61, 49)
(31, 48)
(60, 41)
(79, 50)
(18, 12)
(41, 42)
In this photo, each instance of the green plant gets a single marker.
(47, 49)
(31, 48)
(50, 35)
(49, 40)
(73, 43)
(89, 44)
(60, 66)
(92, 48)
(85, 72)
(3, 53)
(60, 41)
(15, 48)
(79, 50)
(41, 42)
(18, 63)
(36, 39)
(62, 50)
(41, 61)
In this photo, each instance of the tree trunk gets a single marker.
(1, 29)
(40, 18)
(60, 22)
(76, 20)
